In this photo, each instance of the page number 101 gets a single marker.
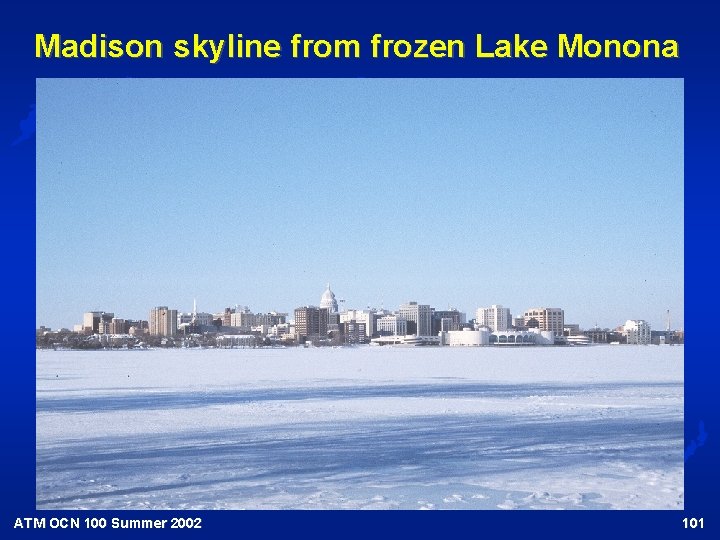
(693, 523)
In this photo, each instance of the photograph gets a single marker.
(359, 293)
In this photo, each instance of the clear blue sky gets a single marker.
(452, 192)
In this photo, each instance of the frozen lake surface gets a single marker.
(368, 427)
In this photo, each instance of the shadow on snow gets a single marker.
(197, 398)
(418, 450)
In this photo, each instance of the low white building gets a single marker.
(197, 319)
(391, 325)
(235, 341)
(465, 338)
(523, 337)
(411, 340)
(280, 330)
(578, 340)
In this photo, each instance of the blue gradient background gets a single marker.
(690, 23)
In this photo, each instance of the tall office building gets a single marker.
(418, 316)
(225, 316)
(353, 332)
(118, 326)
(311, 323)
(92, 321)
(447, 320)
(549, 319)
(496, 318)
(243, 317)
(163, 321)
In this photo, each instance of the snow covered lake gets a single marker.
(370, 427)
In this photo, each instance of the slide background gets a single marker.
(691, 24)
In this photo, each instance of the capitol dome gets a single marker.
(328, 301)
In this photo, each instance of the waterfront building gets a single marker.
(243, 318)
(418, 316)
(518, 322)
(571, 329)
(410, 340)
(578, 339)
(446, 320)
(224, 316)
(522, 337)
(353, 332)
(234, 341)
(103, 327)
(603, 335)
(360, 316)
(637, 332)
(246, 319)
(311, 322)
(272, 318)
(465, 338)
(163, 321)
(136, 330)
(92, 319)
(391, 325)
(118, 326)
(280, 330)
(195, 319)
(545, 319)
(495, 317)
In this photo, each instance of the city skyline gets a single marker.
(460, 193)
(494, 316)
(412, 323)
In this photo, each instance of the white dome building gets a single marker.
(328, 301)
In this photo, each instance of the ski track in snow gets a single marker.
(363, 428)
